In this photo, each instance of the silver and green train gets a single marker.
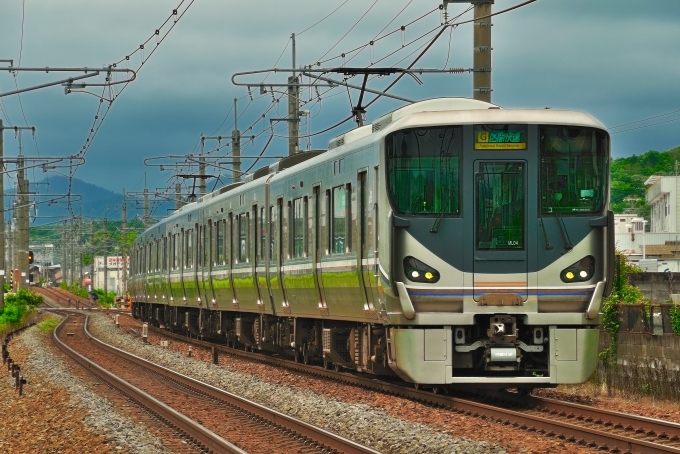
(450, 242)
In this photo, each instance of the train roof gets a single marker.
(440, 111)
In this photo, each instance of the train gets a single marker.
(451, 242)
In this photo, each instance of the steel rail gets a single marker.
(191, 428)
(651, 427)
(319, 435)
(569, 432)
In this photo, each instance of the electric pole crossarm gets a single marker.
(50, 84)
(356, 87)
(341, 70)
(68, 83)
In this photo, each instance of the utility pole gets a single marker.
(124, 247)
(293, 108)
(2, 210)
(92, 274)
(3, 267)
(236, 147)
(201, 172)
(481, 61)
(72, 247)
(146, 208)
(178, 196)
(22, 227)
(106, 258)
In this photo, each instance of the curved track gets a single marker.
(222, 415)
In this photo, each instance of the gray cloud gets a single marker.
(616, 60)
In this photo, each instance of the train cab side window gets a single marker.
(339, 223)
(423, 170)
(574, 163)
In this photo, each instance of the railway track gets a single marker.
(64, 298)
(204, 414)
(600, 429)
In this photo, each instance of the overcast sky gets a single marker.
(617, 60)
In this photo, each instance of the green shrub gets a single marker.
(675, 319)
(17, 306)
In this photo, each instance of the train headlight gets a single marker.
(417, 271)
(580, 271)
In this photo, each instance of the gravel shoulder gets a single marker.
(58, 411)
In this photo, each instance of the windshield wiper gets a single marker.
(548, 246)
(563, 231)
(435, 226)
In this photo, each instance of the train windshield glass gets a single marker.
(500, 205)
(574, 164)
(423, 170)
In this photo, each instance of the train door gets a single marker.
(275, 253)
(500, 232)
(205, 257)
(255, 246)
(366, 255)
(316, 242)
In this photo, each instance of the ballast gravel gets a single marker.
(358, 422)
(42, 369)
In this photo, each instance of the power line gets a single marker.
(644, 119)
(646, 126)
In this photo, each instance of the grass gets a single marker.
(48, 324)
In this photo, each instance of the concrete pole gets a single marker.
(3, 268)
(22, 227)
(92, 264)
(72, 247)
(146, 209)
(124, 249)
(481, 76)
(178, 196)
(201, 172)
(106, 254)
(293, 108)
(236, 147)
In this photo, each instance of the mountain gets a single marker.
(88, 200)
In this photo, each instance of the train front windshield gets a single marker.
(423, 170)
(574, 164)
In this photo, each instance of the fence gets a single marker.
(645, 318)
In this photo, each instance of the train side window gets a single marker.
(272, 234)
(189, 249)
(159, 252)
(210, 239)
(219, 232)
(201, 246)
(164, 258)
(298, 228)
(243, 238)
(315, 218)
(326, 222)
(348, 218)
(339, 224)
(253, 233)
(262, 227)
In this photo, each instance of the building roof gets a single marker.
(663, 250)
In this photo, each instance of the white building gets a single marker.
(114, 274)
(662, 241)
(662, 197)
